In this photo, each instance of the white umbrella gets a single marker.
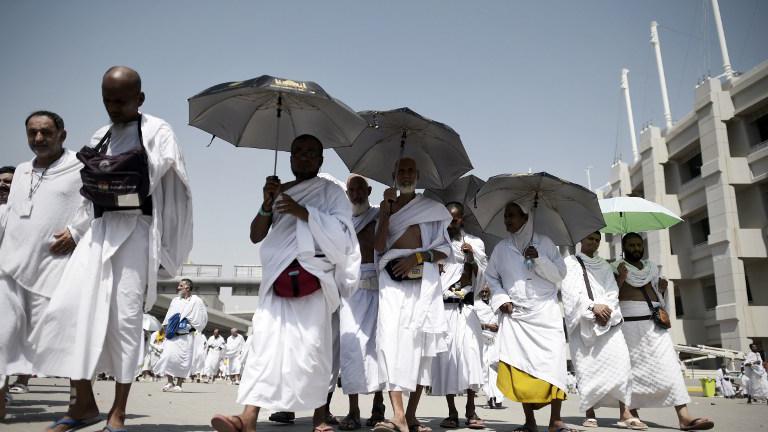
(634, 214)
(150, 323)
(563, 211)
(268, 113)
(437, 149)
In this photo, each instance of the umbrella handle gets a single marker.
(277, 131)
(397, 164)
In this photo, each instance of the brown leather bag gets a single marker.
(658, 314)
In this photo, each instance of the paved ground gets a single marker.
(156, 411)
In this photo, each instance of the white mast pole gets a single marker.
(630, 119)
(727, 70)
(662, 79)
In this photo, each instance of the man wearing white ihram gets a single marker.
(186, 316)
(310, 258)
(215, 349)
(43, 222)
(593, 321)
(358, 315)
(656, 377)
(233, 353)
(460, 369)
(411, 238)
(94, 321)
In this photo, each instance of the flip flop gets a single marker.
(590, 423)
(331, 420)
(698, 423)
(349, 423)
(282, 417)
(475, 422)
(523, 428)
(109, 428)
(633, 423)
(222, 423)
(386, 426)
(418, 427)
(450, 423)
(74, 424)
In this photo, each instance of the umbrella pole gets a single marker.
(397, 164)
(277, 131)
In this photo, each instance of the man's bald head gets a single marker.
(358, 190)
(407, 175)
(121, 93)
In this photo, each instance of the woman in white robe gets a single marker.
(523, 274)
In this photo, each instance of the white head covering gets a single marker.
(522, 237)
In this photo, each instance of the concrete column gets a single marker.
(714, 107)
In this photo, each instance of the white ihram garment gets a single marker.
(724, 384)
(357, 323)
(486, 315)
(153, 352)
(215, 347)
(599, 353)
(29, 270)
(758, 382)
(531, 338)
(233, 352)
(461, 366)
(411, 327)
(94, 320)
(290, 358)
(656, 377)
(178, 354)
(198, 355)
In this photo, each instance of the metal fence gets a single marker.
(201, 270)
(249, 271)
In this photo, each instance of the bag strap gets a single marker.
(103, 144)
(647, 298)
(586, 278)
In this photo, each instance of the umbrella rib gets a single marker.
(250, 119)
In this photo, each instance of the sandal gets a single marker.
(418, 427)
(590, 422)
(475, 422)
(450, 423)
(282, 417)
(374, 419)
(349, 423)
(699, 423)
(386, 426)
(523, 428)
(222, 423)
(75, 424)
(632, 423)
(331, 419)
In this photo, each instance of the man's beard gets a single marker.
(360, 208)
(406, 189)
(634, 257)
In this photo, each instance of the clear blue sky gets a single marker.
(527, 84)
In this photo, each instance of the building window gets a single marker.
(750, 300)
(762, 129)
(692, 168)
(709, 292)
(699, 231)
(679, 306)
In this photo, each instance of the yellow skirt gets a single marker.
(521, 387)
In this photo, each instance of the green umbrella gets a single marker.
(632, 214)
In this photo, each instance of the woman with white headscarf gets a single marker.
(523, 274)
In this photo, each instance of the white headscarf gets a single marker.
(523, 237)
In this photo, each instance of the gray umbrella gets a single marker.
(563, 211)
(391, 135)
(268, 113)
(463, 191)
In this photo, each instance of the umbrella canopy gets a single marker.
(463, 191)
(563, 211)
(268, 113)
(150, 323)
(634, 214)
(437, 149)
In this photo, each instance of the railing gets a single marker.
(249, 271)
(201, 270)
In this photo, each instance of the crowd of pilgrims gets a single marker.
(392, 298)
